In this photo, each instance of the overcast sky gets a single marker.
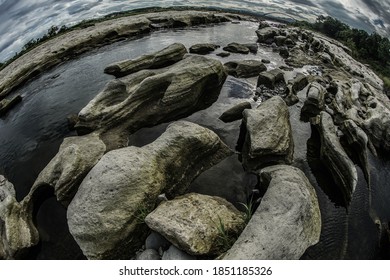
(22, 20)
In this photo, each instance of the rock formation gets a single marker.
(106, 215)
(235, 113)
(193, 222)
(203, 48)
(268, 137)
(165, 57)
(245, 68)
(286, 223)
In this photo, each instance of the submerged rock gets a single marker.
(160, 59)
(235, 113)
(106, 217)
(286, 223)
(192, 222)
(203, 48)
(268, 137)
(335, 158)
(150, 97)
(245, 68)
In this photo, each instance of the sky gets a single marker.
(23, 20)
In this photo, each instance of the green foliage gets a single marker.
(249, 207)
(141, 213)
(225, 240)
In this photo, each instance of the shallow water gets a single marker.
(32, 132)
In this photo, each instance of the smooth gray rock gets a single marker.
(148, 255)
(150, 97)
(162, 58)
(268, 137)
(203, 48)
(65, 172)
(315, 100)
(235, 113)
(286, 223)
(236, 48)
(335, 158)
(106, 217)
(193, 222)
(271, 78)
(174, 253)
(223, 54)
(245, 68)
(156, 241)
(253, 48)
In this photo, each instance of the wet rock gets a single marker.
(267, 34)
(191, 222)
(268, 138)
(72, 120)
(150, 97)
(223, 54)
(148, 255)
(236, 48)
(7, 104)
(235, 113)
(280, 40)
(106, 216)
(334, 157)
(266, 61)
(65, 172)
(203, 48)
(162, 58)
(156, 241)
(298, 83)
(17, 231)
(245, 68)
(174, 253)
(253, 48)
(271, 78)
(286, 68)
(315, 100)
(286, 223)
(283, 52)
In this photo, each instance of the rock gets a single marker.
(192, 222)
(315, 101)
(270, 78)
(162, 58)
(150, 97)
(245, 68)
(174, 253)
(253, 48)
(286, 223)
(223, 54)
(17, 230)
(7, 104)
(286, 68)
(236, 48)
(203, 48)
(235, 113)
(298, 83)
(283, 52)
(334, 157)
(263, 24)
(65, 172)
(268, 137)
(280, 40)
(72, 120)
(267, 34)
(106, 216)
(156, 241)
(266, 61)
(148, 255)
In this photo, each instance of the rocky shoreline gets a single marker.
(114, 192)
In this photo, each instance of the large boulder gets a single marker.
(150, 97)
(267, 34)
(162, 58)
(193, 222)
(17, 230)
(335, 158)
(271, 78)
(237, 48)
(245, 68)
(64, 173)
(268, 137)
(315, 100)
(286, 223)
(106, 215)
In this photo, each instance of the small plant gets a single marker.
(141, 214)
(225, 238)
(249, 207)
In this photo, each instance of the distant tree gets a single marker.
(52, 31)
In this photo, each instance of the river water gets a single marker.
(32, 132)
